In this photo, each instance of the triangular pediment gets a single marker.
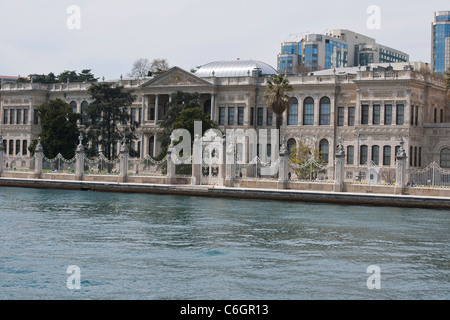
(176, 77)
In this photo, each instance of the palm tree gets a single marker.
(276, 93)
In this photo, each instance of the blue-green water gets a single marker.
(134, 246)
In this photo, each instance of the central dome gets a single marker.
(237, 68)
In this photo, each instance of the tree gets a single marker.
(59, 129)
(84, 76)
(308, 162)
(143, 67)
(108, 120)
(181, 113)
(276, 93)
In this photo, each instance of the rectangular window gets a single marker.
(11, 147)
(222, 116)
(5, 116)
(412, 115)
(350, 154)
(442, 115)
(363, 155)
(24, 147)
(25, 116)
(351, 116)
(230, 116)
(376, 114)
(376, 154)
(388, 114)
(364, 114)
(340, 116)
(260, 117)
(269, 117)
(241, 116)
(11, 116)
(139, 115)
(17, 146)
(19, 116)
(400, 114)
(415, 156)
(252, 116)
(133, 115)
(417, 116)
(386, 156)
(411, 151)
(420, 156)
(35, 117)
(152, 114)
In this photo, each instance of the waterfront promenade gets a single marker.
(348, 198)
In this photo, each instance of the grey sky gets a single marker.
(113, 34)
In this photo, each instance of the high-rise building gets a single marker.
(440, 42)
(340, 48)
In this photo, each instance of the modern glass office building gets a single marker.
(340, 48)
(440, 47)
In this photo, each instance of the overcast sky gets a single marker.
(35, 37)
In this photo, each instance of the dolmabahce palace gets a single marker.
(369, 110)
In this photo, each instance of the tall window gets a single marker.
(442, 116)
(25, 116)
(19, 116)
(388, 114)
(230, 116)
(133, 116)
(24, 147)
(417, 116)
(241, 116)
(324, 150)
(435, 115)
(73, 104)
(351, 116)
(412, 115)
(324, 111)
(221, 116)
(269, 117)
(18, 146)
(308, 112)
(400, 114)
(293, 112)
(84, 106)
(5, 116)
(340, 116)
(260, 117)
(11, 116)
(252, 116)
(445, 158)
(386, 156)
(207, 107)
(350, 155)
(363, 155)
(11, 147)
(376, 154)
(376, 114)
(35, 116)
(364, 114)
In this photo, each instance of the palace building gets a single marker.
(368, 109)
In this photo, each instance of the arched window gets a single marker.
(324, 150)
(84, 106)
(308, 112)
(324, 112)
(376, 154)
(291, 144)
(363, 155)
(293, 112)
(73, 104)
(445, 158)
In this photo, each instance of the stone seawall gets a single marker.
(345, 198)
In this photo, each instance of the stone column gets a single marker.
(2, 159)
(156, 108)
(339, 185)
(283, 167)
(38, 159)
(400, 181)
(170, 177)
(79, 166)
(123, 165)
(197, 161)
(213, 104)
(230, 166)
(144, 112)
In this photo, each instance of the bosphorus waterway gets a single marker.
(144, 246)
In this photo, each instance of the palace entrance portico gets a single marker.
(157, 93)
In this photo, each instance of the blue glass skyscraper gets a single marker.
(440, 47)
